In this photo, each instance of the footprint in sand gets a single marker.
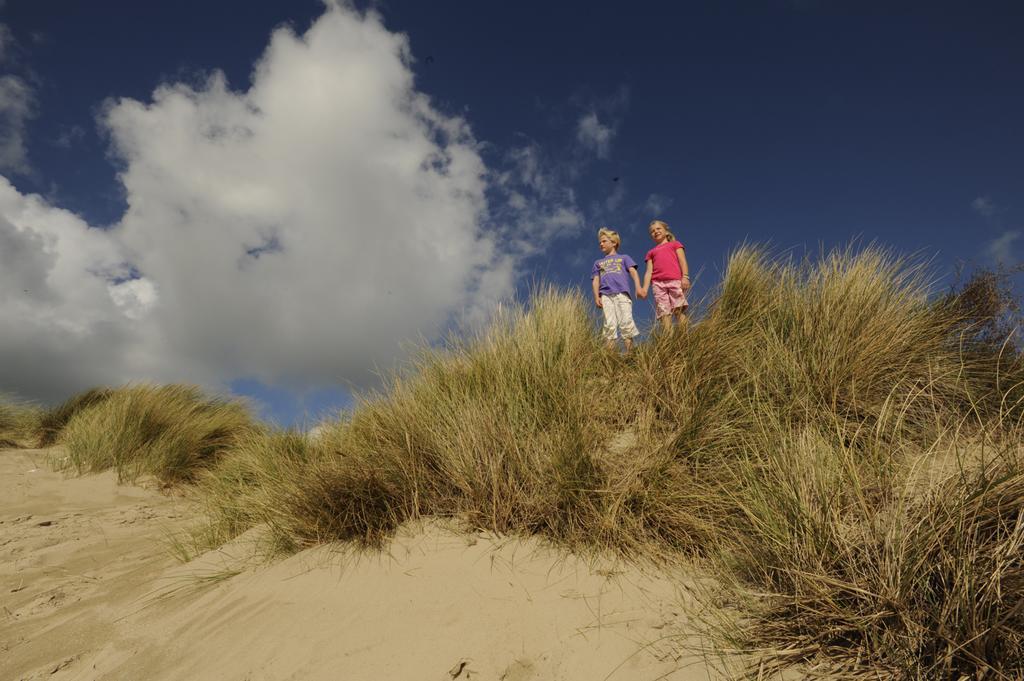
(53, 599)
(520, 670)
(48, 670)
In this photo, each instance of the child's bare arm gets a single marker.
(596, 284)
(684, 268)
(636, 280)
(647, 280)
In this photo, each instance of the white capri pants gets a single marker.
(618, 314)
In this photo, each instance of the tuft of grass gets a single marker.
(53, 420)
(171, 432)
(19, 421)
(803, 405)
(859, 575)
(989, 318)
(500, 430)
(245, 488)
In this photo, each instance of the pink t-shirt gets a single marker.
(665, 261)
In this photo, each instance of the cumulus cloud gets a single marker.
(657, 204)
(6, 40)
(16, 109)
(1002, 249)
(984, 206)
(594, 135)
(296, 232)
(60, 325)
(68, 136)
(601, 208)
(536, 203)
(598, 125)
(614, 200)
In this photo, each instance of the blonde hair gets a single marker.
(668, 232)
(611, 234)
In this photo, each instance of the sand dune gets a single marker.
(90, 591)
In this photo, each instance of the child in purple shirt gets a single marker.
(610, 280)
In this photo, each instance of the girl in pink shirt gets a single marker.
(669, 275)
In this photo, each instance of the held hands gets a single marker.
(641, 292)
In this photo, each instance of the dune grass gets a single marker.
(170, 432)
(54, 420)
(502, 430)
(19, 421)
(836, 444)
(875, 561)
(807, 446)
(244, 490)
(776, 439)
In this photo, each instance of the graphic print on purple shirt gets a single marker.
(614, 273)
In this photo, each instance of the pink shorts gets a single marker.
(668, 296)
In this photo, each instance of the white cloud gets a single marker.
(537, 205)
(599, 209)
(594, 135)
(598, 126)
(984, 206)
(16, 109)
(1002, 248)
(614, 200)
(69, 136)
(657, 204)
(7, 41)
(134, 297)
(297, 232)
(60, 326)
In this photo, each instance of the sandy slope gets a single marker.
(74, 556)
(88, 592)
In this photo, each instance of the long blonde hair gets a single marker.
(668, 232)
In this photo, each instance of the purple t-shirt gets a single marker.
(614, 273)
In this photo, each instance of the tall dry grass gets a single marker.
(807, 446)
(776, 439)
(839, 446)
(243, 489)
(909, 570)
(502, 430)
(54, 420)
(171, 432)
(19, 421)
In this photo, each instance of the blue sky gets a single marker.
(193, 199)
